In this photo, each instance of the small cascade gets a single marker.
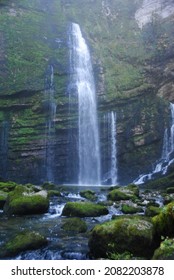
(88, 135)
(50, 125)
(167, 156)
(113, 149)
(110, 153)
(4, 133)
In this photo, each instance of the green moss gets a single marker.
(22, 202)
(124, 193)
(75, 225)
(164, 222)
(88, 194)
(3, 198)
(129, 209)
(83, 209)
(165, 251)
(152, 211)
(22, 242)
(124, 234)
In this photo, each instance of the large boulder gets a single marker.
(3, 198)
(88, 194)
(124, 234)
(164, 222)
(74, 224)
(24, 202)
(23, 241)
(131, 192)
(84, 209)
(165, 251)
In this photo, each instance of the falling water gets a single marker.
(167, 157)
(50, 127)
(4, 133)
(113, 149)
(88, 138)
(110, 175)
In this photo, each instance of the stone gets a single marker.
(75, 225)
(122, 234)
(88, 194)
(165, 251)
(27, 240)
(131, 192)
(84, 209)
(164, 222)
(3, 198)
(24, 202)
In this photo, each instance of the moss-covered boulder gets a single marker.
(131, 192)
(52, 193)
(24, 202)
(170, 190)
(88, 194)
(164, 222)
(3, 198)
(84, 209)
(7, 186)
(122, 234)
(49, 186)
(23, 241)
(74, 224)
(152, 211)
(165, 251)
(130, 209)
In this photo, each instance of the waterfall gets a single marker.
(167, 157)
(4, 133)
(88, 135)
(110, 149)
(50, 127)
(113, 149)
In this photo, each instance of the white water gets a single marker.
(113, 150)
(88, 137)
(167, 153)
(50, 127)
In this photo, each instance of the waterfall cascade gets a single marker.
(4, 133)
(50, 127)
(167, 156)
(113, 149)
(88, 135)
(110, 150)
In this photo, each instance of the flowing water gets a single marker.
(167, 156)
(4, 133)
(113, 150)
(110, 149)
(88, 135)
(50, 126)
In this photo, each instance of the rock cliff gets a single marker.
(132, 55)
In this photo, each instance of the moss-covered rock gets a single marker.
(74, 224)
(165, 251)
(164, 222)
(7, 186)
(3, 198)
(130, 209)
(170, 190)
(84, 209)
(88, 194)
(122, 234)
(54, 193)
(23, 241)
(152, 211)
(124, 193)
(24, 202)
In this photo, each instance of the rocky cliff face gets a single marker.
(133, 68)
